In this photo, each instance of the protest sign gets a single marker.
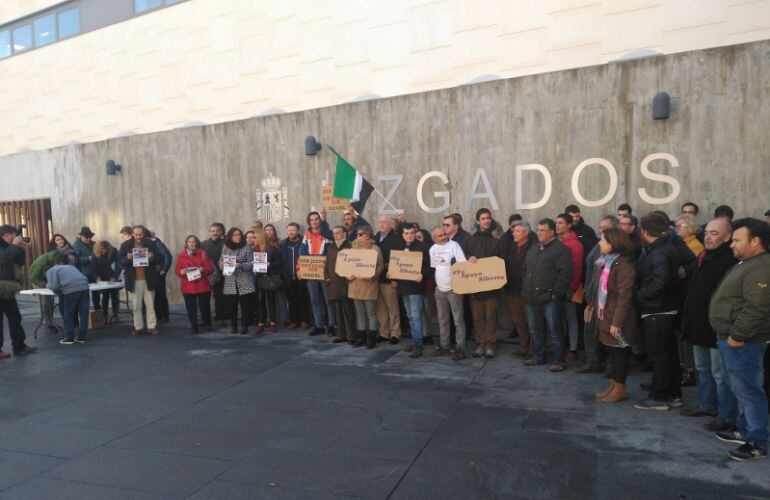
(486, 274)
(360, 262)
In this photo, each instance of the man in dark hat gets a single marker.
(84, 249)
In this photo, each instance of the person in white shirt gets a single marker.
(443, 254)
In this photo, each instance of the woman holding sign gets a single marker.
(364, 291)
(193, 268)
(236, 264)
(614, 283)
(267, 267)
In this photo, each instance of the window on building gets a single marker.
(69, 22)
(45, 30)
(172, 2)
(144, 5)
(5, 44)
(22, 38)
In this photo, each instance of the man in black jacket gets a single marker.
(522, 239)
(584, 232)
(547, 274)
(714, 395)
(388, 314)
(413, 292)
(657, 298)
(213, 248)
(11, 255)
(141, 280)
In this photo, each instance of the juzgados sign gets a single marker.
(441, 200)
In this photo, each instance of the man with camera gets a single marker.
(12, 254)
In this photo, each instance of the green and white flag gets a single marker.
(350, 184)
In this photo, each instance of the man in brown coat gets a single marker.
(337, 289)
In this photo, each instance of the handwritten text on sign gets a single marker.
(359, 262)
(312, 267)
(405, 265)
(486, 274)
(330, 203)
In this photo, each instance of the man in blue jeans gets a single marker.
(547, 275)
(412, 293)
(715, 399)
(317, 237)
(74, 300)
(740, 315)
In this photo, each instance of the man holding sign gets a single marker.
(485, 243)
(409, 277)
(443, 254)
(141, 277)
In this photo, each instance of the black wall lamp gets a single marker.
(312, 146)
(661, 106)
(112, 167)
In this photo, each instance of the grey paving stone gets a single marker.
(156, 473)
(46, 488)
(229, 490)
(52, 440)
(17, 467)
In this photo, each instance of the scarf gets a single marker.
(605, 262)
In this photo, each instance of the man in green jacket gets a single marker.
(37, 272)
(740, 315)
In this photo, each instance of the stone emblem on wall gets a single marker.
(272, 200)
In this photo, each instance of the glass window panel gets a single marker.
(45, 30)
(69, 22)
(22, 38)
(143, 5)
(172, 2)
(5, 44)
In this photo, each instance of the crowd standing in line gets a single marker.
(688, 303)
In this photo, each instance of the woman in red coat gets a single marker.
(193, 268)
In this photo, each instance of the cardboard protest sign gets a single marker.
(312, 267)
(486, 274)
(330, 203)
(405, 265)
(360, 262)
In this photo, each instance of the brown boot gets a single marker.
(619, 393)
(605, 392)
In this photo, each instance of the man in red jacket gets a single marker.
(569, 238)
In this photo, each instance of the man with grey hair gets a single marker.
(515, 255)
(388, 313)
(596, 354)
(715, 399)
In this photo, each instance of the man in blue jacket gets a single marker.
(72, 288)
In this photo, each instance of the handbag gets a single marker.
(269, 283)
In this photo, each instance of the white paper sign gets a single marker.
(140, 257)
(229, 264)
(193, 274)
(260, 262)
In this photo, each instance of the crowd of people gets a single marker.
(687, 302)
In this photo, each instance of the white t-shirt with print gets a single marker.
(441, 260)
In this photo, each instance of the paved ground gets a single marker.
(286, 416)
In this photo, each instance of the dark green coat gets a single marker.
(740, 308)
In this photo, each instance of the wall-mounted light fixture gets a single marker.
(312, 146)
(112, 167)
(661, 106)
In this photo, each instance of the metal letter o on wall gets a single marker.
(613, 182)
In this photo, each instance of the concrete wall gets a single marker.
(178, 181)
(217, 61)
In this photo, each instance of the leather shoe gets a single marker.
(26, 350)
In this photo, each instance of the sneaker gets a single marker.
(25, 351)
(651, 404)
(394, 340)
(489, 354)
(730, 436)
(557, 367)
(439, 351)
(719, 424)
(459, 355)
(675, 402)
(80, 340)
(697, 412)
(746, 452)
(67, 341)
(478, 352)
(533, 362)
